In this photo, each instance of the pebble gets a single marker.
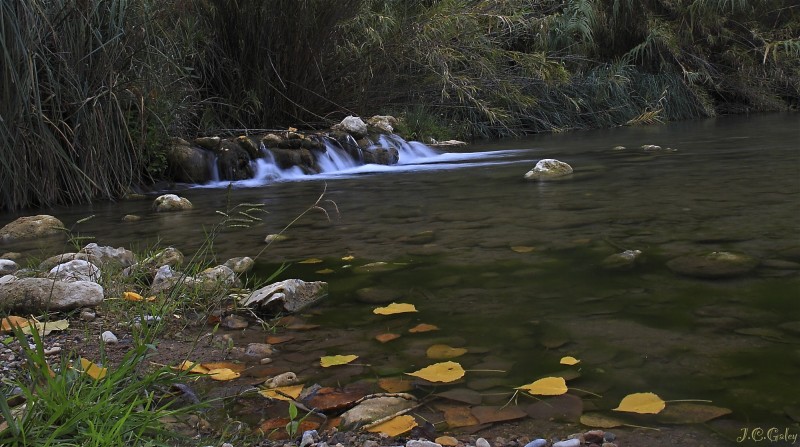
(265, 360)
(481, 442)
(109, 338)
(370, 443)
(422, 443)
(88, 315)
(568, 443)
(53, 350)
(537, 443)
(309, 437)
(234, 322)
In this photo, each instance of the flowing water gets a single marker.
(511, 269)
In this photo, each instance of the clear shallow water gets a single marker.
(446, 224)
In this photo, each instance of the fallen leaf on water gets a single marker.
(236, 367)
(331, 399)
(7, 324)
(423, 327)
(523, 248)
(598, 420)
(383, 338)
(92, 370)
(223, 374)
(488, 415)
(443, 352)
(569, 360)
(325, 271)
(348, 258)
(278, 339)
(642, 403)
(549, 386)
(291, 392)
(395, 308)
(395, 384)
(192, 367)
(691, 413)
(396, 426)
(335, 360)
(440, 372)
(310, 261)
(458, 416)
(301, 326)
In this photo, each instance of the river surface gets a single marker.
(512, 271)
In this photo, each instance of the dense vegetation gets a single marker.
(91, 89)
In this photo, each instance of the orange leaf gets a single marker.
(235, 367)
(92, 370)
(383, 338)
(277, 339)
(290, 392)
(423, 327)
(7, 324)
(132, 296)
(192, 367)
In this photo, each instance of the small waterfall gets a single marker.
(410, 151)
(336, 159)
(213, 168)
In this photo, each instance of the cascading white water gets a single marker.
(335, 159)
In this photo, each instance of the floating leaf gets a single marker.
(236, 367)
(396, 426)
(598, 420)
(291, 392)
(383, 338)
(395, 308)
(335, 360)
(691, 413)
(192, 367)
(277, 339)
(458, 416)
(443, 352)
(325, 271)
(549, 386)
(395, 384)
(348, 258)
(331, 399)
(440, 372)
(569, 360)
(310, 261)
(7, 324)
(92, 370)
(223, 374)
(301, 326)
(523, 249)
(423, 327)
(642, 403)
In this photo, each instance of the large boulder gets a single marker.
(53, 261)
(234, 162)
(548, 169)
(383, 123)
(353, 125)
(31, 227)
(190, 164)
(289, 158)
(36, 295)
(718, 264)
(381, 156)
(291, 295)
(171, 202)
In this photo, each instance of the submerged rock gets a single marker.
(171, 202)
(718, 264)
(376, 408)
(625, 260)
(31, 227)
(36, 295)
(548, 169)
(291, 295)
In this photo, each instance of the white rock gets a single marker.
(109, 338)
(376, 408)
(36, 295)
(104, 255)
(547, 169)
(285, 379)
(423, 443)
(353, 125)
(481, 442)
(171, 202)
(568, 443)
(76, 270)
(291, 295)
(8, 267)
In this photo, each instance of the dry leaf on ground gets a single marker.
(94, 371)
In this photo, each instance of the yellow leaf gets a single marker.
(444, 352)
(549, 386)
(310, 261)
(440, 372)
(396, 426)
(46, 327)
(92, 370)
(423, 327)
(132, 296)
(447, 441)
(325, 271)
(192, 367)
(236, 367)
(395, 308)
(7, 324)
(223, 374)
(523, 249)
(348, 258)
(383, 338)
(569, 360)
(291, 392)
(642, 403)
(335, 360)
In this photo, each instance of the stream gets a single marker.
(512, 270)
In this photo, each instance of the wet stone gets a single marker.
(375, 295)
